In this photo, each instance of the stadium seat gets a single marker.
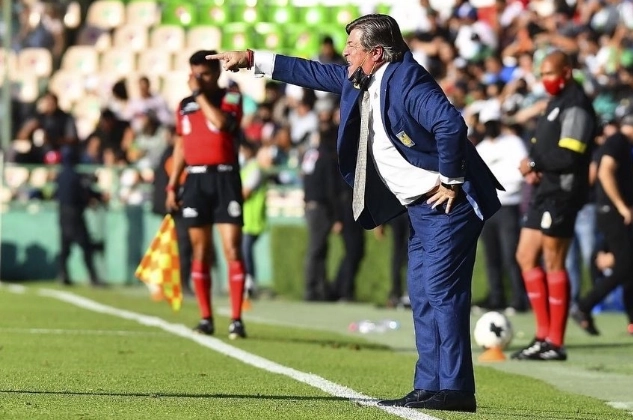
(212, 14)
(88, 107)
(302, 41)
(248, 14)
(81, 58)
(67, 84)
(269, 36)
(8, 61)
(178, 13)
(181, 60)
(283, 15)
(168, 37)
(118, 61)
(106, 14)
(204, 38)
(28, 88)
(142, 12)
(237, 36)
(342, 15)
(15, 176)
(35, 61)
(255, 87)
(314, 15)
(39, 177)
(154, 60)
(6, 195)
(174, 87)
(130, 36)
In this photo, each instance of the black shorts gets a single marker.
(552, 217)
(212, 194)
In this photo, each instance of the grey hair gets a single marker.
(380, 31)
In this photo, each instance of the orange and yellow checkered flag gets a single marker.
(160, 266)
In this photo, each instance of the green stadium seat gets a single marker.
(248, 14)
(211, 13)
(383, 8)
(342, 15)
(269, 36)
(237, 36)
(302, 41)
(178, 13)
(314, 15)
(282, 15)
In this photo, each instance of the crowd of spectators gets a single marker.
(481, 55)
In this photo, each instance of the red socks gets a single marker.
(201, 275)
(536, 288)
(236, 287)
(558, 286)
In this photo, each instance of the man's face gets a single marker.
(207, 78)
(355, 55)
(551, 71)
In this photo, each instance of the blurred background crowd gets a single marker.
(108, 74)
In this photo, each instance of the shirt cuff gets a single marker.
(264, 63)
(451, 181)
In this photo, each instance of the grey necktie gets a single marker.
(358, 199)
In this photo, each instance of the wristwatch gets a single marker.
(452, 187)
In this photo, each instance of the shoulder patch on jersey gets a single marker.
(232, 98)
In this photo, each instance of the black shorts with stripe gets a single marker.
(212, 194)
(556, 218)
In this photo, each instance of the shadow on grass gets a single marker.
(175, 395)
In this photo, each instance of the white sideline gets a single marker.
(236, 353)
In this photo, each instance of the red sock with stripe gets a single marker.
(536, 288)
(559, 294)
(236, 287)
(201, 276)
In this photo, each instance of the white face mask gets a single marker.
(241, 159)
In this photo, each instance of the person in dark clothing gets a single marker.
(614, 198)
(320, 183)
(185, 251)
(74, 194)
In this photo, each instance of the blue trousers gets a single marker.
(442, 250)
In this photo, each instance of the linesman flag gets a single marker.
(160, 266)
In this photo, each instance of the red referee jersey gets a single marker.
(203, 143)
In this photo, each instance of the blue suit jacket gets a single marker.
(420, 121)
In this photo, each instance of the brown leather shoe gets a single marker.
(417, 396)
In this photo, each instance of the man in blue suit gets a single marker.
(418, 159)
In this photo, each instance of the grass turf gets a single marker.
(61, 361)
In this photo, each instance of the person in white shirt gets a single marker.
(502, 150)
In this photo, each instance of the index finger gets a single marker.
(219, 56)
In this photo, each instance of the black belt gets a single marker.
(201, 169)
